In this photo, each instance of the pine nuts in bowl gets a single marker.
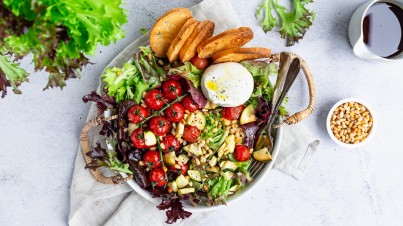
(350, 123)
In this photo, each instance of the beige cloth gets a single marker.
(93, 203)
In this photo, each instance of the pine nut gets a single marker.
(350, 122)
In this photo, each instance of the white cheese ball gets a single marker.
(227, 84)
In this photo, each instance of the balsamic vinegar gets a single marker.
(383, 29)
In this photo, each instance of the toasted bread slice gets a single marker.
(233, 38)
(241, 54)
(203, 31)
(166, 28)
(183, 35)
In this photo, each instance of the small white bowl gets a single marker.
(371, 133)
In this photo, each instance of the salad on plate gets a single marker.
(189, 108)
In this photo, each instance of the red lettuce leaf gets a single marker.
(103, 102)
(174, 210)
(171, 203)
(250, 130)
(197, 95)
(263, 109)
(98, 156)
(139, 172)
(4, 83)
(124, 141)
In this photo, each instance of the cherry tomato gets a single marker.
(232, 113)
(159, 125)
(137, 113)
(152, 159)
(241, 153)
(184, 168)
(154, 99)
(170, 143)
(137, 138)
(200, 63)
(191, 134)
(157, 176)
(189, 104)
(175, 113)
(171, 89)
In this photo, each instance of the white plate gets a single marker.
(238, 195)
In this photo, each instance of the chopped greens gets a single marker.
(125, 83)
(214, 129)
(211, 120)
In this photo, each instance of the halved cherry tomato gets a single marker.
(137, 138)
(159, 125)
(154, 99)
(241, 153)
(175, 113)
(191, 134)
(189, 104)
(157, 176)
(137, 113)
(200, 63)
(170, 143)
(184, 168)
(171, 89)
(232, 113)
(152, 159)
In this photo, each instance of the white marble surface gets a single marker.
(39, 134)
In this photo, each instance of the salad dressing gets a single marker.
(212, 85)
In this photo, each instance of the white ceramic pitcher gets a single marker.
(356, 36)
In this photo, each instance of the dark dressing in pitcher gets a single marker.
(383, 29)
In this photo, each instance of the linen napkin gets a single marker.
(93, 203)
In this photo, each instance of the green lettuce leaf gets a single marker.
(189, 72)
(11, 74)
(58, 33)
(220, 189)
(269, 22)
(261, 71)
(100, 157)
(146, 62)
(295, 23)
